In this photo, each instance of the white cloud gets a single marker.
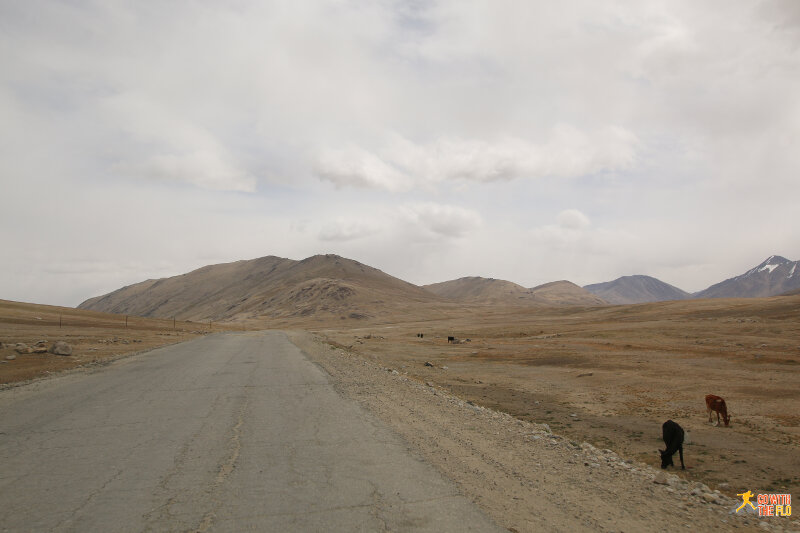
(443, 220)
(341, 230)
(568, 153)
(573, 219)
(444, 128)
(356, 167)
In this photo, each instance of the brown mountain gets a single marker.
(480, 290)
(636, 289)
(498, 291)
(565, 293)
(776, 275)
(323, 286)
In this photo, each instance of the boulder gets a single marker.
(661, 478)
(61, 348)
(23, 348)
(11, 357)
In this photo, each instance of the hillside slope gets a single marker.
(480, 290)
(636, 289)
(501, 292)
(776, 275)
(322, 285)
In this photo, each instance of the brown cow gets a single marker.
(717, 404)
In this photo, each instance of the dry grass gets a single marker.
(95, 337)
(621, 370)
(624, 370)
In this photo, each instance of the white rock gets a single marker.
(661, 478)
(61, 348)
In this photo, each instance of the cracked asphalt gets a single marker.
(231, 432)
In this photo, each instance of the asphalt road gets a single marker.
(233, 432)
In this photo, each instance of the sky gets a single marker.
(527, 141)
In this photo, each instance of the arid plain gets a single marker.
(606, 375)
(612, 375)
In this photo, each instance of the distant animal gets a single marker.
(673, 439)
(451, 339)
(717, 404)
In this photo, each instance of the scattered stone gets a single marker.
(40, 349)
(428, 363)
(23, 348)
(429, 384)
(11, 357)
(61, 348)
(710, 497)
(586, 374)
(661, 478)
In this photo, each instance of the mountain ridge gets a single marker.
(636, 289)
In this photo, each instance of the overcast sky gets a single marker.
(528, 141)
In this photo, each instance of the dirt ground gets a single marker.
(611, 376)
(96, 338)
(524, 476)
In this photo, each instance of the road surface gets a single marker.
(231, 432)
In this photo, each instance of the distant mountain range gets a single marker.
(636, 289)
(329, 286)
(498, 291)
(775, 276)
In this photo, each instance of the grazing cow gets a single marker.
(451, 339)
(717, 404)
(673, 438)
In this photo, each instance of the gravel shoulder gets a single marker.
(520, 473)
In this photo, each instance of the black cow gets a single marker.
(673, 438)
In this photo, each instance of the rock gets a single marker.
(428, 363)
(11, 357)
(661, 478)
(61, 348)
(23, 348)
(40, 349)
(710, 497)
